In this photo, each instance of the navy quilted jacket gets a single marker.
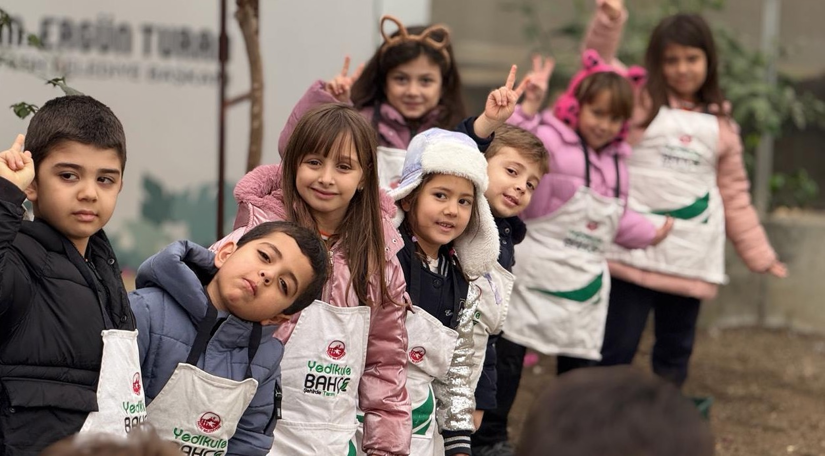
(168, 304)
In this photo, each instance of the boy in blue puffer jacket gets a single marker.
(209, 362)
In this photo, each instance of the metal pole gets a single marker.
(222, 57)
(764, 153)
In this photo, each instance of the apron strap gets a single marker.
(617, 191)
(254, 343)
(456, 295)
(205, 327)
(204, 332)
(586, 161)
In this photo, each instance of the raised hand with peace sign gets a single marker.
(340, 86)
(17, 166)
(501, 103)
(537, 87)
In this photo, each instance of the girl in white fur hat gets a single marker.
(450, 238)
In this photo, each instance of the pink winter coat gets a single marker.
(382, 394)
(393, 130)
(567, 175)
(741, 221)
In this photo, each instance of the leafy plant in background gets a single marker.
(758, 107)
(23, 109)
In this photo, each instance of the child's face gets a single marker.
(259, 280)
(329, 184)
(442, 211)
(597, 124)
(76, 190)
(414, 88)
(513, 179)
(685, 69)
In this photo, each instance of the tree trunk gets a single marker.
(247, 16)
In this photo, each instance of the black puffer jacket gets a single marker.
(52, 311)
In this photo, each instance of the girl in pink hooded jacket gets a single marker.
(687, 162)
(559, 301)
(327, 182)
(409, 85)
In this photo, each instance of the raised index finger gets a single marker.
(17, 146)
(511, 79)
(345, 70)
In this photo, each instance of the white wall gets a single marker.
(171, 126)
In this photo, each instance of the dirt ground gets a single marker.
(768, 388)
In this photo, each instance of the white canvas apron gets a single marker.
(673, 173)
(200, 411)
(120, 400)
(559, 302)
(496, 288)
(429, 354)
(320, 373)
(390, 164)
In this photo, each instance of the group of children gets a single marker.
(383, 282)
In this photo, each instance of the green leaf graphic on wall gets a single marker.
(167, 216)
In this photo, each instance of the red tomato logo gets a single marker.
(136, 383)
(209, 422)
(417, 354)
(336, 350)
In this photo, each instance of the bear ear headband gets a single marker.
(427, 37)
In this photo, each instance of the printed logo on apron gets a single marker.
(417, 354)
(673, 173)
(559, 301)
(197, 410)
(120, 400)
(324, 359)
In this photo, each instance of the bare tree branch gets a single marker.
(248, 19)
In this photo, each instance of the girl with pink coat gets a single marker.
(347, 352)
(686, 163)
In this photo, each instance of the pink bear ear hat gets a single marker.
(567, 107)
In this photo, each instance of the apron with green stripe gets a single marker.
(429, 354)
(673, 173)
(559, 301)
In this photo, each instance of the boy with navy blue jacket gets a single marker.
(224, 307)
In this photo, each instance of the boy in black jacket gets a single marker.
(60, 283)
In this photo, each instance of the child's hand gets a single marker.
(613, 8)
(341, 85)
(501, 103)
(663, 231)
(539, 79)
(17, 166)
(778, 269)
(478, 416)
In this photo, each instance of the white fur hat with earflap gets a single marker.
(438, 151)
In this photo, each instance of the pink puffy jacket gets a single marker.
(741, 221)
(382, 394)
(567, 175)
(392, 127)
